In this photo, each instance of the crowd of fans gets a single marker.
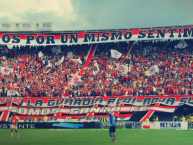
(31, 80)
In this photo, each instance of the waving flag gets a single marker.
(123, 68)
(182, 44)
(21, 59)
(56, 49)
(6, 70)
(60, 61)
(96, 68)
(152, 70)
(115, 54)
(75, 79)
(40, 54)
(77, 60)
(12, 92)
(47, 68)
(3, 57)
(69, 55)
(110, 66)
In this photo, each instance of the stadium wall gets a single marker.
(102, 125)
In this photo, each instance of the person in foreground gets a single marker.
(112, 128)
(14, 119)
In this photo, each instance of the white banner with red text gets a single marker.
(87, 37)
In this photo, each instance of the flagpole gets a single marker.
(165, 46)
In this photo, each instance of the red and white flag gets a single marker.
(77, 60)
(152, 70)
(75, 79)
(3, 57)
(47, 68)
(123, 68)
(45, 71)
(60, 61)
(12, 92)
(110, 66)
(6, 70)
(20, 59)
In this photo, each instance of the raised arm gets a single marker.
(106, 110)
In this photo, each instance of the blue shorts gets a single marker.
(112, 129)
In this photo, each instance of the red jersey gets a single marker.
(14, 120)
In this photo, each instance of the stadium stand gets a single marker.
(36, 74)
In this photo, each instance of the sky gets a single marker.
(98, 14)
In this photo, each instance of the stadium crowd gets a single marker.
(31, 76)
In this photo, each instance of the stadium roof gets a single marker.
(95, 30)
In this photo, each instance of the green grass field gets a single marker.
(96, 137)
